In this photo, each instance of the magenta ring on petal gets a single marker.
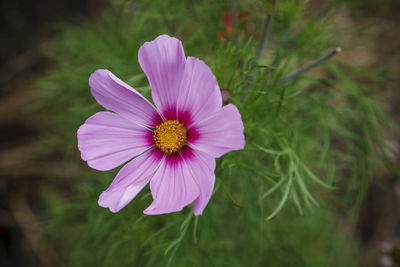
(172, 146)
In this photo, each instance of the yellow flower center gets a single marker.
(170, 136)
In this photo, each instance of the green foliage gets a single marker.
(309, 142)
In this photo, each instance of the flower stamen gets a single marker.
(170, 136)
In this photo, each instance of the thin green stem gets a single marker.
(265, 31)
(310, 65)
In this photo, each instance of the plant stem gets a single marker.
(233, 21)
(265, 31)
(310, 65)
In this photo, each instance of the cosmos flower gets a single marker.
(172, 146)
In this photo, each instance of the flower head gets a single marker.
(173, 145)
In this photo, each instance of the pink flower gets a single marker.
(173, 146)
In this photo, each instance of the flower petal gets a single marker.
(201, 167)
(130, 180)
(113, 94)
(172, 187)
(220, 133)
(106, 140)
(163, 61)
(200, 95)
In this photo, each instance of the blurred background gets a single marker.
(48, 196)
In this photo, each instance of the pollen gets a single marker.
(170, 136)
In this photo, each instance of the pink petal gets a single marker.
(172, 187)
(106, 140)
(201, 167)
(113, 94)
(220, 133)
(163, 61)
(200, 95)
(130, 180)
